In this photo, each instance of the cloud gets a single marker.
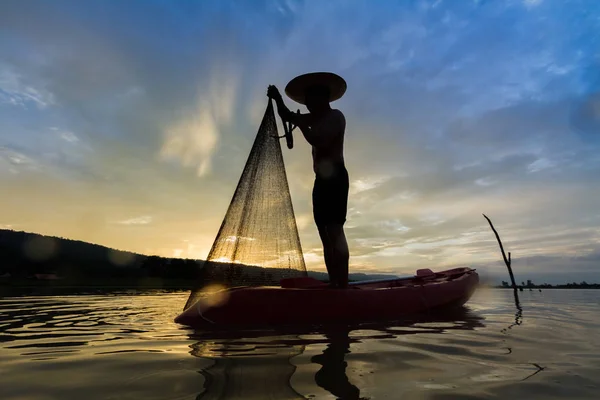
(585, 117)
(14, 162)
(69, 137)
(546, 269)
(16, 91)
(143, 220)
(452, 109)
(192, 141)
(532, 3)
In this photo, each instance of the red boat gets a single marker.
(309, 301)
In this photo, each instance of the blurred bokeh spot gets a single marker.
(40, 248)
(120, 258)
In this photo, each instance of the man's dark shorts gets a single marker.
(330, 198)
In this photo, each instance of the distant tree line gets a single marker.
(574, 285)
(169, 268)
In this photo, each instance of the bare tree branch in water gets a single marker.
(507, 261)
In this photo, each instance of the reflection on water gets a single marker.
(248, 370)
(332, 375)
(127, 347)
(518, 312)
(257, 364)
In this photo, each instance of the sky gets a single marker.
(128, 124)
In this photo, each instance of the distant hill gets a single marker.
(25, 256)
(38, 248)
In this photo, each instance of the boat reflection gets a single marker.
(257, 364)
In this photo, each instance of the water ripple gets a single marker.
(127, 347)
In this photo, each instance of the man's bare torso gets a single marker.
(328, 155)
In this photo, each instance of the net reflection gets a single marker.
(258, 364)
(248, 369)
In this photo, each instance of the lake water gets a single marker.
(127, 347)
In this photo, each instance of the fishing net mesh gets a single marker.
(258, 242)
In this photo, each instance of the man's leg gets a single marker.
(341, 254)
(328, 254)
(330, 202)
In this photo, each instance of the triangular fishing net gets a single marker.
(258, 242)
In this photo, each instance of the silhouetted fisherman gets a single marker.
(323, 128)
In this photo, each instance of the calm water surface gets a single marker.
(127, 347)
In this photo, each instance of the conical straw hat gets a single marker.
(295, 89)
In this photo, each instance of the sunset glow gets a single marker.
(127, 124)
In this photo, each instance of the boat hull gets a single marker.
(309, 301)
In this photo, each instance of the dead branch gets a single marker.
(507, 260)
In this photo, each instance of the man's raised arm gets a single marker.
(303, 121)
